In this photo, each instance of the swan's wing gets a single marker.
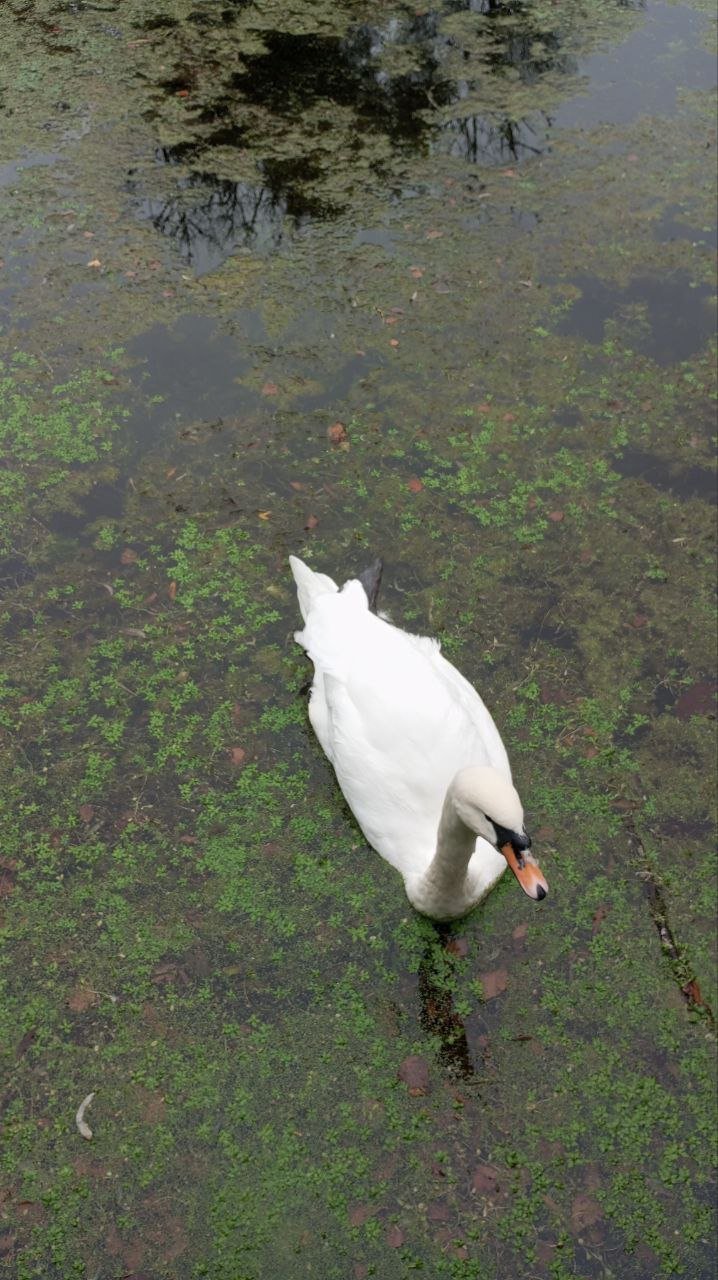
(476, 709)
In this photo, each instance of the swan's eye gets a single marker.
(518, 841)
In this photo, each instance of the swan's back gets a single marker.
(394, 717)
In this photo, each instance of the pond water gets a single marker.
(338, 280)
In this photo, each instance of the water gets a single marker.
(344, 281)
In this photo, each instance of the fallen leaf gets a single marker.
(264, 515)
(414, 485)
(555, 516)
(360, 1214)
(639, 620)
(693, 991)
(394, 1236)
(312, 522)
(7, 882)
(393, 342)
(170, 472)
(520, 931)
(95, 262)
(337, 433)
(434, 235)
(82, 999)
(414, 1073)
(297, 484)
(152, 1106)
(599, 916)
(416, 272)
(485, 1180)
(585, 1212)
(86, 812)
(270, 389)
(437, 1211)
(238, 755)
(698, 700)
(492, 984)
(458, 947)
(129, 556)
(8, 1240)
(172, 591)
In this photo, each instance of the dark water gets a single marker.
(679, 315)
(289, 107)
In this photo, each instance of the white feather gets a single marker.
(399, 724)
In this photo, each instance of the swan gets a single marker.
(417, 755)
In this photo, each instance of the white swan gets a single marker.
(416, 753)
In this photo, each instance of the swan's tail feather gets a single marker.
(371, 581)
(309, 584)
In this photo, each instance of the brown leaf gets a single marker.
(296, 484)
(416, 272)
(172, 591)
(698, 700)
(264, 515)
(393, 342)
(693, 991)
(434, 235)
(520, 931)
(639, 620)
(437, 1211)
(86, 812)
(82, 999)
(8, 1240)
(270, 389)
(599, 916)
(312, 522)
(485, 1180)
(129, 556)
(361, 1213)
(337, 433)
(414, 1073)
(394, 1236)
(238, 755)
(414, 485)
(556, 516)
(7, 882)
(458, 947)
(492, 984)
(152, 1106)
(585, 1212)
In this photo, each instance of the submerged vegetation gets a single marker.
(489, 361)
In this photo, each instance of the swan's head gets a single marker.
(489, 805)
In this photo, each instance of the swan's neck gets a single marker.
(455, 843)
(449, 888)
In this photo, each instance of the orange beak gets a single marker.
(527, 872)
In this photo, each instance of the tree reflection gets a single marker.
(337, 101)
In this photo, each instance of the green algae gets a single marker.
(193, 926)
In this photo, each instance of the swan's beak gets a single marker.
(527, 871)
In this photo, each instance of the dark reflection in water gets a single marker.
(276, 128)
(684, 482)
(321, 115)
(438, 1015)
(667, 318)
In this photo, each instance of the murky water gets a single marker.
(340, 280)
